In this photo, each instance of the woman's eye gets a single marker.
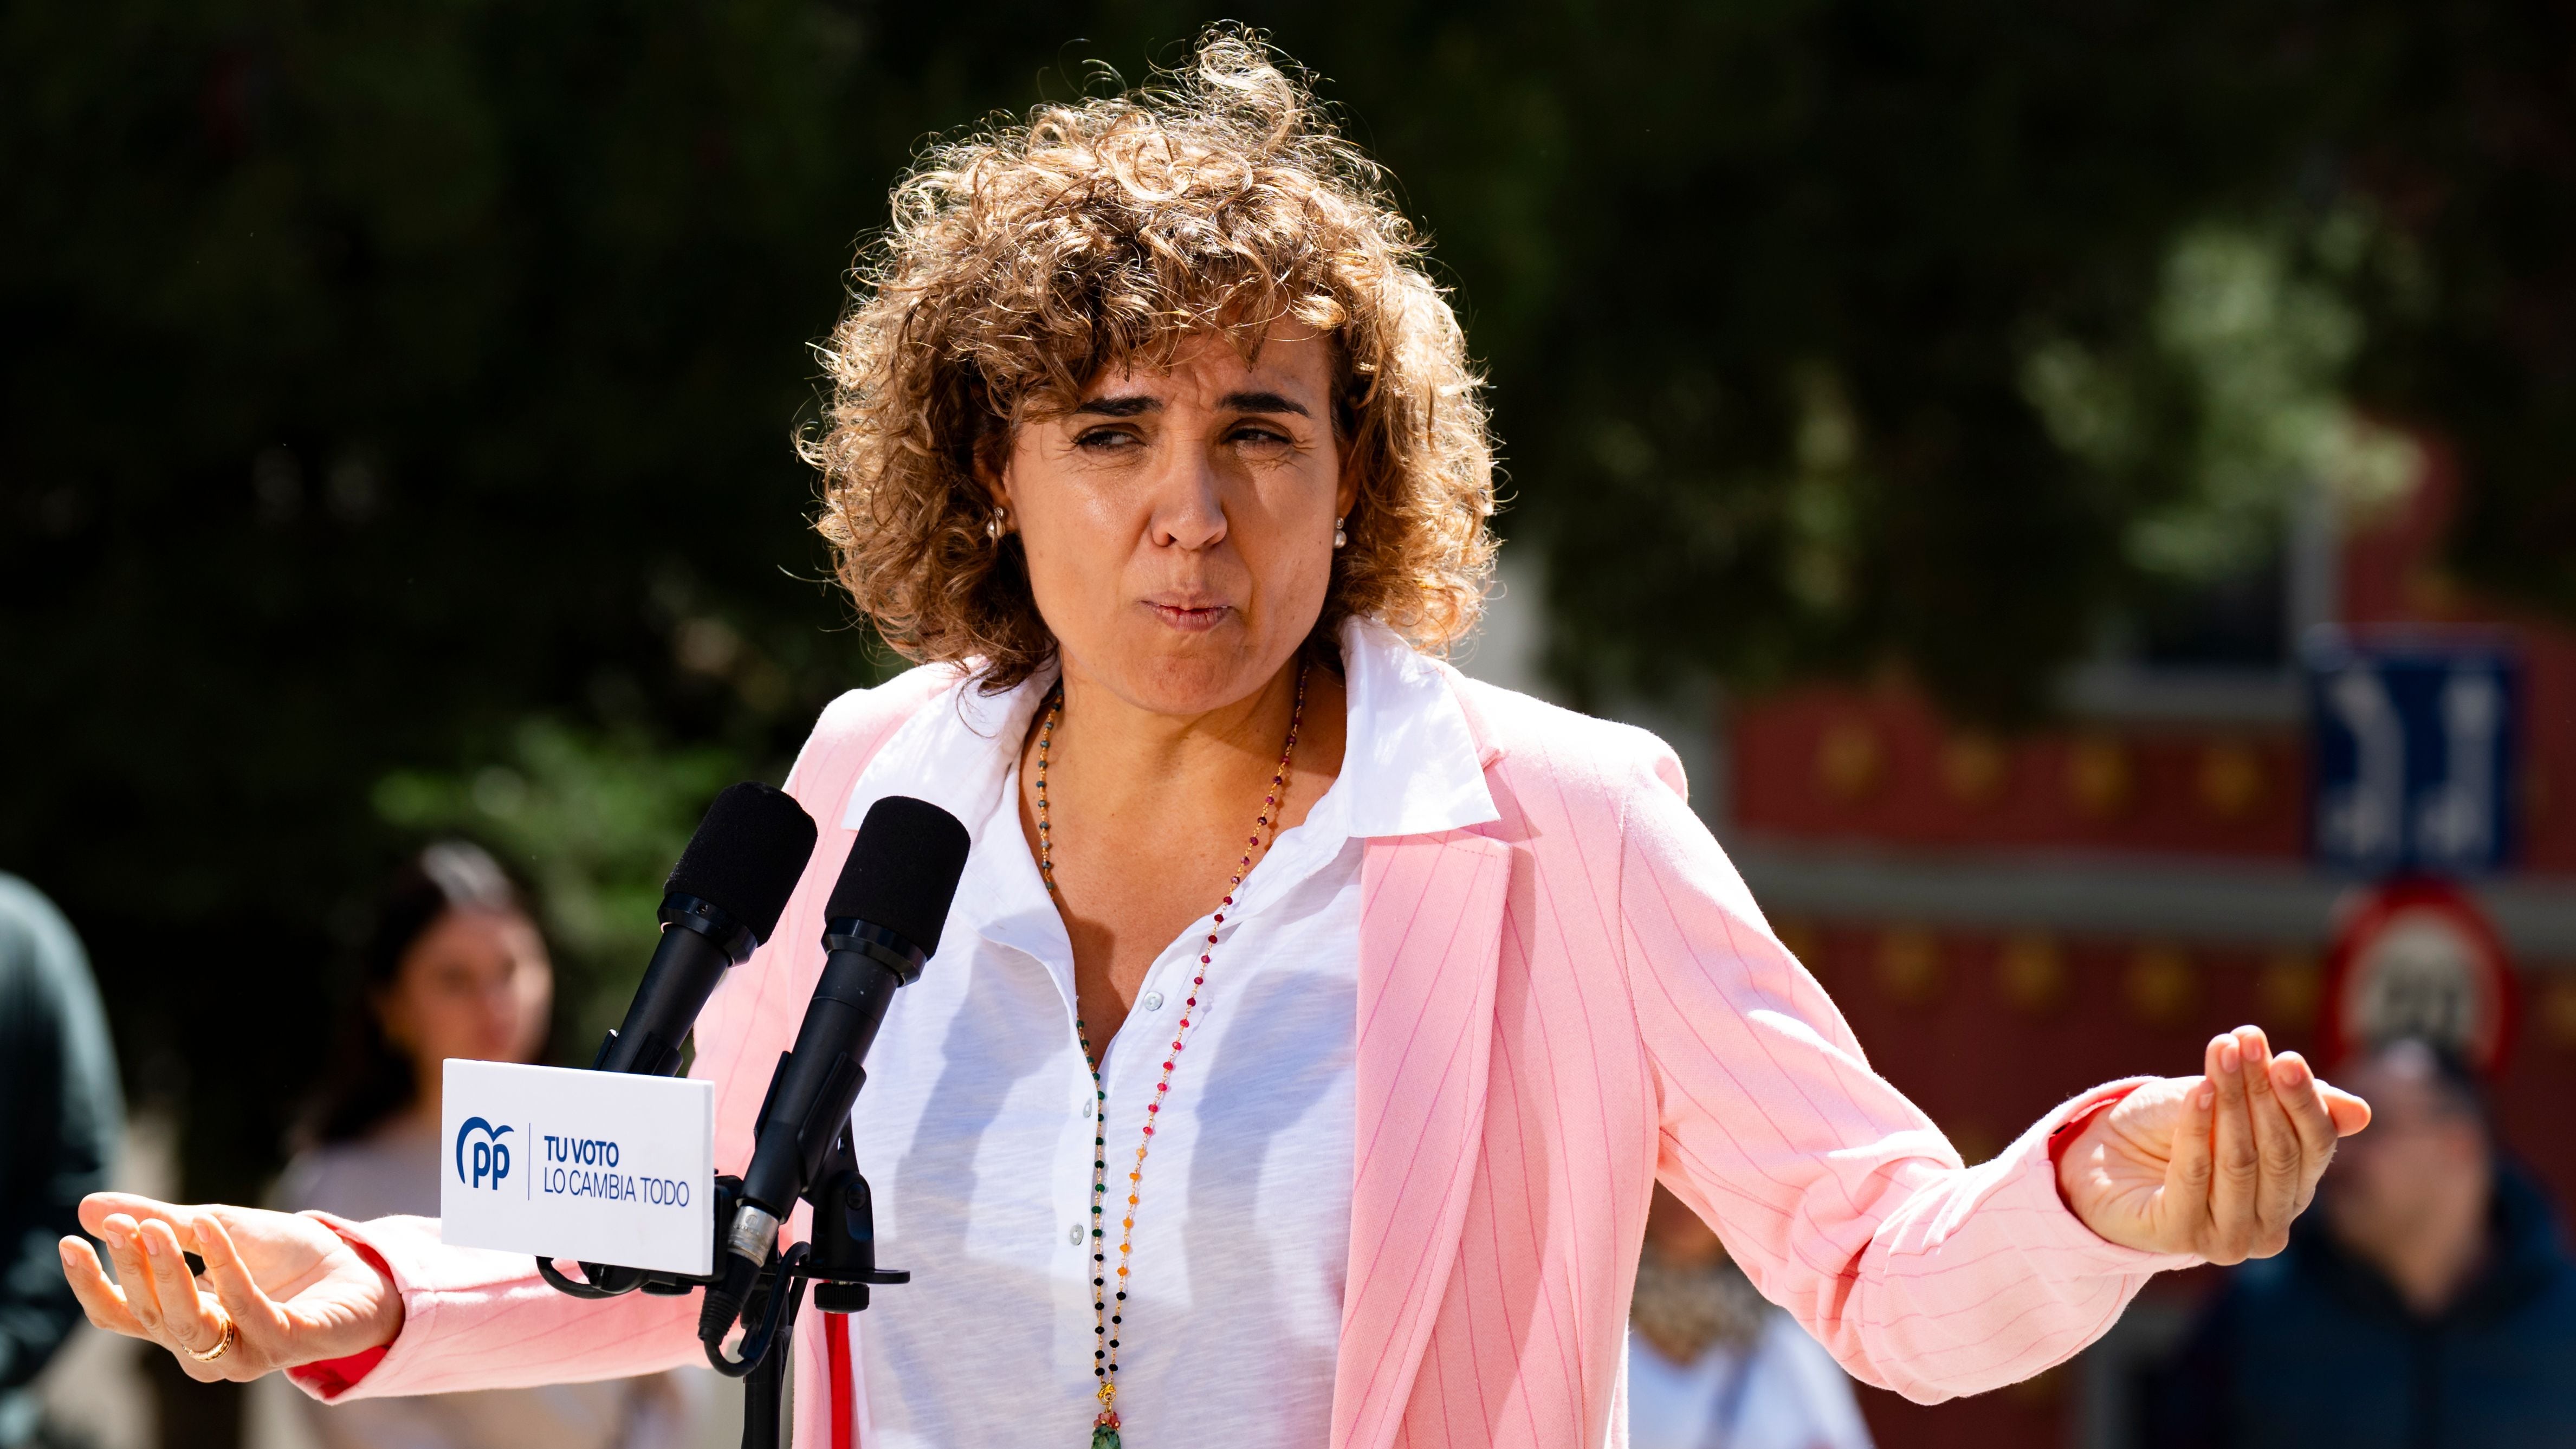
(1106, 440)
(1261, 436)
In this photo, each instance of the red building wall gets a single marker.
(1986, 1028)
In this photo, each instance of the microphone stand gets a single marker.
(903, 868)
(839, 1260)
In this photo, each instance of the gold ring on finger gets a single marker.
(223, 1345)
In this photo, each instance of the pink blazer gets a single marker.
(1557, 1010)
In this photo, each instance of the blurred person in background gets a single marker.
(1713, 1365)
(453, 967)
(60, 1118)
(2431, 1302)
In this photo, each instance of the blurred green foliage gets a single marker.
(1938, 337)
(592, 822)
(2260, 353)
(381, 379)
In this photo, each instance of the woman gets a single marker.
(1314, 1023)
(452, 968)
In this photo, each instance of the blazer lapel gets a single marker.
(1431, 921)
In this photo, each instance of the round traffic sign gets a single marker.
(2417, 958)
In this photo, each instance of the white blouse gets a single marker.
(975, 1131)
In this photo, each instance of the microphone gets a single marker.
(722, 900)
(881, 925)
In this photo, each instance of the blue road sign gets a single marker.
(2414, 751)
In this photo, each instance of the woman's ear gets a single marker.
(992, 465)
(996, 480)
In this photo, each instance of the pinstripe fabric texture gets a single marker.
(1556, 1010)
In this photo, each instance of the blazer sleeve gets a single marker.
(1842, 1201)
(474, 1319)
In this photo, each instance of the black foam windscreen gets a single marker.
(903, 870)
(747, 855)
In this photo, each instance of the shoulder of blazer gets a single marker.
(1525, 740)
(856, 725)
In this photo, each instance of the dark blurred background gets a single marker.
(396, 412)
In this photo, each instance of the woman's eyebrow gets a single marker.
(1118, 407)
(1261, 402)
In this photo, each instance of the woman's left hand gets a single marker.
(2216, 1165)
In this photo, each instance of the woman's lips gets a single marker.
(1190, 618)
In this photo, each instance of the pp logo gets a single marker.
(491, 1155)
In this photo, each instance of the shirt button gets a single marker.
(1086, 1106)
(1153, 1001)
(1073, 1235)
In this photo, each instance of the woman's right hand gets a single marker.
(296, 1291)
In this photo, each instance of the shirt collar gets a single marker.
(956, 753)
(1409, 766)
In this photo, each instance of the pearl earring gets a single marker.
(1340, 539)
(993, 526)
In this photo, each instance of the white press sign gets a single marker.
(590, 1166)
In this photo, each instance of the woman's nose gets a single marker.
(1189, 509)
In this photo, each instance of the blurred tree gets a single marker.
(593, 823)
(377, 379)
(2452, 125)
(1771, 402)
(380, 379)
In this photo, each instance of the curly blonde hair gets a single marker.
(1026, 260)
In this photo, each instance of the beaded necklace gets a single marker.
(1108, 1312)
